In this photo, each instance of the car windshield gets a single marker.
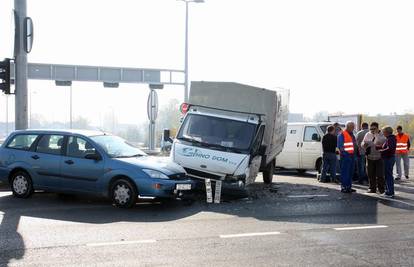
(116, 147)
(216, 132)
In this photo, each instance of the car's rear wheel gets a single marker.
(123, 193)
(21, 184)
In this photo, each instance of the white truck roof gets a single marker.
(233, 97)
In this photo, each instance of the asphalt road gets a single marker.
(297, 222)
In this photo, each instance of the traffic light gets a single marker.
(5, 76)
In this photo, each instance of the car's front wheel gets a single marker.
(123, 193)
(21, 184)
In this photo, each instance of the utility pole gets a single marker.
(186, 55)
(20, 54)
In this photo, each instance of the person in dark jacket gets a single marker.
(388, 155)
(329, 141)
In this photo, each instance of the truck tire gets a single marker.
(268, 173)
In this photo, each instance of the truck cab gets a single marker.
(219, 144)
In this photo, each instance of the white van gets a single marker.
(303, 146)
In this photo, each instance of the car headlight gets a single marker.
(155, 174)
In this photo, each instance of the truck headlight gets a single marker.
(155, 174)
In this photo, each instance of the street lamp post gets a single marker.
(186, 47)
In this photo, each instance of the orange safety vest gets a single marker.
(348, 142)
(402, 144)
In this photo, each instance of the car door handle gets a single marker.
(35, 157)
(70, 162)
(297, 145)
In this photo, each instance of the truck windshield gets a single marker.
(217, 132)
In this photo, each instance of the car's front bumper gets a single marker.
(161, 188)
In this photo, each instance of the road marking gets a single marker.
(117, 243)
(360, 227)
(249, 234)
(299, 196)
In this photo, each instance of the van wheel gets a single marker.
(268, 173)
(123, 193)
(319, 166)
(21, 184)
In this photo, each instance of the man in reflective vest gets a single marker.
(348, 151)
(402, 151)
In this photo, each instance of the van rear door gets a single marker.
(311, 147)
(290, 156)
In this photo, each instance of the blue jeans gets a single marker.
(362, 174)
(389, 178)
(329, 165)
(347, 171)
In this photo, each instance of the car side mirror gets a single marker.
(316, 137)
(93, 156)
(262, 150)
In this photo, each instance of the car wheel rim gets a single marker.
(122, 194)
(20, 184)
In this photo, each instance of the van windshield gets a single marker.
(225, 134)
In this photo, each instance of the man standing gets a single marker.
(388, 155)
(372, 140)
(347, 148)
(403, 148)
(361, 163)
(329, 141)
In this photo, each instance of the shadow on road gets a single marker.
(282, 202)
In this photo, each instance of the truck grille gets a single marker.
(202, 174)
(178, 176)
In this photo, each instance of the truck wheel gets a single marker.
(268, 173)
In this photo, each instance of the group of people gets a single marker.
(369, 155)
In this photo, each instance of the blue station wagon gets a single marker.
(77, 161)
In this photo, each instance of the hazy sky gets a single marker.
(355, 56)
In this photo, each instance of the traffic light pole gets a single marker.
(20, 54)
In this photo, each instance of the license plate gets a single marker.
(183, 187)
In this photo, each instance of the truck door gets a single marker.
(310, 148)
(290, 156)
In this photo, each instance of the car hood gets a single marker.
(163, 164)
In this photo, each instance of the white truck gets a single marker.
(230, 133)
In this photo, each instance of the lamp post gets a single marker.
(31, 93)
(186, 46)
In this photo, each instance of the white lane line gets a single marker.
(118, 243)
(360, 227)
(299, 196)
(249, 234)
